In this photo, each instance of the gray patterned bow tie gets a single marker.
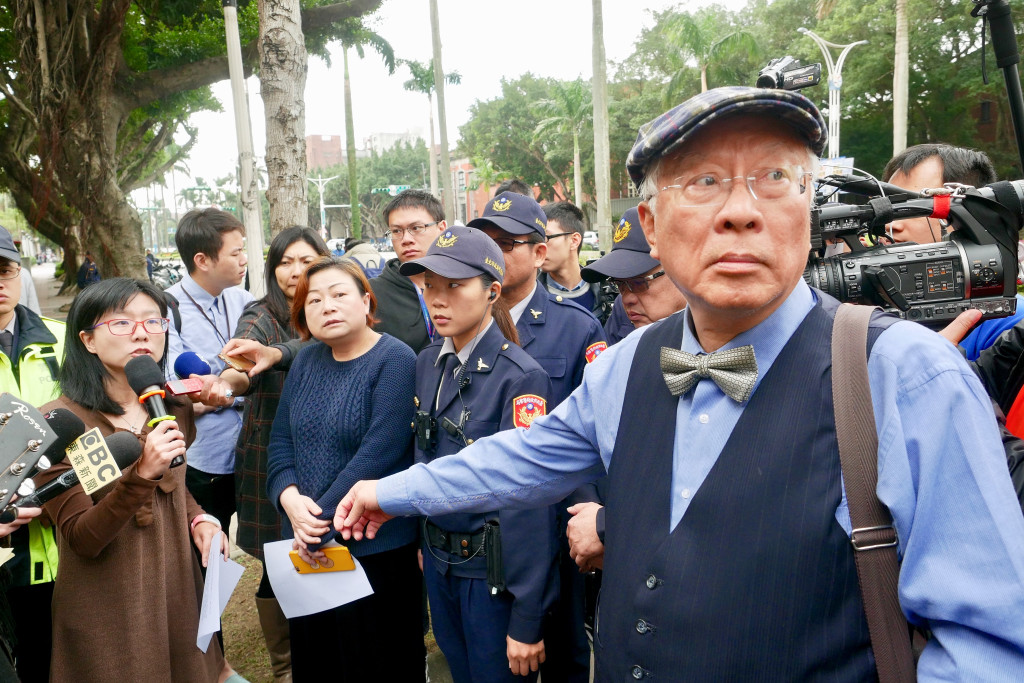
(734, 371)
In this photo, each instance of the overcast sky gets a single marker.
(483, 41)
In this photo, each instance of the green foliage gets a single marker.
(422, 80)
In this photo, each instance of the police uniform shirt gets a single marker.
(561, 336)
(502, 388)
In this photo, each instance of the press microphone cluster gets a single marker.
(123, 446)
(146, 379)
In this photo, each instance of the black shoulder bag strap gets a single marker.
(874, 536)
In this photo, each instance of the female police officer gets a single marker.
(490, 577)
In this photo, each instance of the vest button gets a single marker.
(641, 626)
(652, 581)
(638, 673)
(465, 543)
(465, 553)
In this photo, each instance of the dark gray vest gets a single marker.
(757, 582)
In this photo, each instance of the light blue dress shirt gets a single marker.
(942, 474)
(213, 451)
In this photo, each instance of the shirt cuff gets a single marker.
(525, 629)
(599, 521)
(392, 496)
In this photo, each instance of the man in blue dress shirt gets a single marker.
(212, 245)
(728, 553)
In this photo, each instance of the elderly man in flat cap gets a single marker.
(728, 546)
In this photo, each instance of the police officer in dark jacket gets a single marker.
(491, 577)
(563, 338)
(560, 273)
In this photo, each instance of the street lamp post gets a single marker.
(321, 183)
(835, 81)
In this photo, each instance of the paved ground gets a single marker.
(47, 288)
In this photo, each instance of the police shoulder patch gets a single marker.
(526, 408)
(595, 350)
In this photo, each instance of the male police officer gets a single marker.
(31, 347)
(728, 546)
(560, 272)
(563, 338)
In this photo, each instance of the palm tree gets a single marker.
(567, 112)
(422, 81)
(356, 36)
(694, 37)
(484, 173)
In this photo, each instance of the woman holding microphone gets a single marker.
(127, 595)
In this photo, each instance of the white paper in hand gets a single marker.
(221, 578)
(302, 594)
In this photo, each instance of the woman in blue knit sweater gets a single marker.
(344, 415)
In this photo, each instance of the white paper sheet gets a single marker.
(221, 578)
(302, 594)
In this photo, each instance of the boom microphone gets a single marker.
(146, 380)
(123, 446)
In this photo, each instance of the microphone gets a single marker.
(146, 380)
(123, 446)
(188, 363)
(68, 427)
(191, 363)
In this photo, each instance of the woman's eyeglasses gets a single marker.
(123, 327)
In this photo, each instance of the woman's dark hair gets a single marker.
(275, 300)
(80, 369)
(501, 313)
(345, 265)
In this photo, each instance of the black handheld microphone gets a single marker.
(146, 380)
(123, 446)
(68, 427)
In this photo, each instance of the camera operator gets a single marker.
(930, 166)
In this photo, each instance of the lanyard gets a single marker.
(227, 321)
(426, 314)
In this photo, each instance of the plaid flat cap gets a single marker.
(670, 130)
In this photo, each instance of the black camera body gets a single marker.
(931, 283)
(785, 73)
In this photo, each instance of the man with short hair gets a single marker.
(414, 218)
(560, 272)
(729, 552)
(930, 166)
(31, 348)
(212, 245)
(514, 185)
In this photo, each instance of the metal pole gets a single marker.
(251, 217)
(321, 183)
(835, 82)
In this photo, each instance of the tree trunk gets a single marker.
(283, 67)
(602, 157)
(900, 79)
(350, 150)
(442, 119)
(433, 148)
(577, 171)
(703, 77)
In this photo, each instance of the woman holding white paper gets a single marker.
(128, 590)
(345, 412)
